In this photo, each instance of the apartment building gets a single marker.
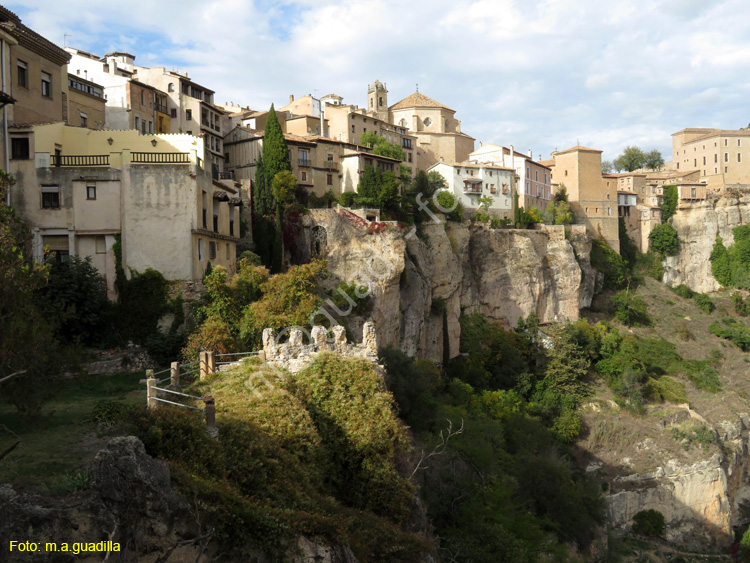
(533, 179)
(592, 196)
(468, 181)
(721, 156)
(86, 104)
(191, 109)
(319, 163)
(79, 189)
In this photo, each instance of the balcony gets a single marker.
(305, 162)
(331, 164)
(160, 158)
(473, 186)
(162, 108)
(80, 160)
(226, 175)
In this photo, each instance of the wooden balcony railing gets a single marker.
(80, 160)
(160, 158)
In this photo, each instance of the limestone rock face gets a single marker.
(697, 225)
(700, 500)
(416, 281)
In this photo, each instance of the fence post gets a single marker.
(204, 364)
(151, 403)
(210, 414)
(211, 356)
(175, 374)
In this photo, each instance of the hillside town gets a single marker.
(100, 146)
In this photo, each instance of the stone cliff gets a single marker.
(697, 225)
(453, 267)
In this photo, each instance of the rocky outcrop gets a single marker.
(700, 500)
(453, 267)
(697, 225)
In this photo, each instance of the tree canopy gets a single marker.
(381, 146)
(634, 158)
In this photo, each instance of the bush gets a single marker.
(721, 266)
(630, 310)
(669, 203)
(348, 199)
(651, 264)
(345, 298)
(663, 239)
(683, 291)
(665, 389)
(448, 205)
(481, 217)
(741, 305)
(649, 523)
(704, 302)
(736, 332)
(609, 263)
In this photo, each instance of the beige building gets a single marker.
(319, 163)
(79, 189)
(721, 156)
(436, 128)
(468, 181)
(86, 104)
(533, 180)
(592, 196)
(634, 207)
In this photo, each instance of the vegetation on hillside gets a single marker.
(731, 266)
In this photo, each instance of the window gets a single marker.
(143, 126)
(189, 114)
(329, 180)
(46, 84)
(200, 250)
(57, 247)
(204, 198)
(704, 161)
(84, 120)
(90, 191)
(566, 172)
(101, 245)
(227, 251)
(304, 176)
(716, 158)
(352, 127)
(173, 112)
(50, 197)
(19, 148)
(427, 122)
(170, 88)
(738, 142)
(726, 157)
(609, 211)
(143, 97)
(725, 142)
(739, 158)
(380, 101)
(409, 157)
(137, 122)
(212, 250)
(150, 126)
(23, 74)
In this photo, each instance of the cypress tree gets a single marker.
(721, 266)
(275, 156)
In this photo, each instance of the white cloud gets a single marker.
(533, 73)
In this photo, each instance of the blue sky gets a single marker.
(536, 74)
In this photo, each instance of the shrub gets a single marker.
(665, 389)
(721, 267)
(347, 293)
(704, 302)
(348, 199)
(448, 205)
(609, 263)
(741, 305)
(737, 332)
(663, 239)
(481, 217)
(683, 332)
(630, 310)
(745, 547)
(669, 203)
(649, 523)
(651, 264)
(683, 291)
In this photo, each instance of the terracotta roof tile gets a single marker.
(417, 99)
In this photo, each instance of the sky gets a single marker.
(537, 74)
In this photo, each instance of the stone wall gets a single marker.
(295, 354)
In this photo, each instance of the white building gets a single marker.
(534, 180)
(469, 181)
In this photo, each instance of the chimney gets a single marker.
(291, 98)
(531, 154)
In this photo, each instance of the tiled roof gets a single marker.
(30, 39)
(579, 148)
(418, 100)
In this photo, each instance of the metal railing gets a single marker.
(305, 162)
(80, 160)
(160, 158)
(153, 400)
(236, 354)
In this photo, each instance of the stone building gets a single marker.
(469, 181)
(86, 104)
(533, 180)
(592, 197)
(437, 131)
(721, 156)
(80, 189)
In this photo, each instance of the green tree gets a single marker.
(485, 201)
(563, 384)
(669, 203)
(367, 189)
(75, 300)
(560, 213)
(607, 167)
(284, 188)
(631, 159)
(721, 266)
(28, 351)
(663, 239)
(628, 249)
(654, 160)
(436, 182)
(381, 146)
(561, 194)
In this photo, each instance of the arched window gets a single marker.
(171, 87)
(402, 123)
